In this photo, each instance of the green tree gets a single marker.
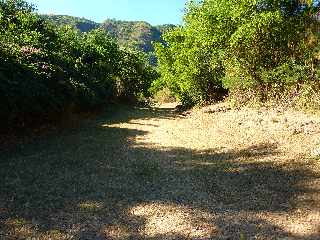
(235, 45)
(46, 70)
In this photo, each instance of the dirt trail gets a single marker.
(142, 173)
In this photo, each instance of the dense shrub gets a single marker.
(256, 46)
(45, 69)
(135, 77)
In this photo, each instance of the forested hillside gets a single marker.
(136, 35)
(84, 25)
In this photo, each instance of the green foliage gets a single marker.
(135, 78)
(240, 45)
(44, 69)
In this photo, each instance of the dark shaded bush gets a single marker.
(46, 70)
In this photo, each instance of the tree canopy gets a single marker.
(46, 70)
(246, 45)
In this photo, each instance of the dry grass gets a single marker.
(211, 173)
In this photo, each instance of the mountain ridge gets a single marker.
(138, 35)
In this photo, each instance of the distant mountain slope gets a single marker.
(137, 35)
(84, 25)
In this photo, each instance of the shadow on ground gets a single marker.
(92, 183)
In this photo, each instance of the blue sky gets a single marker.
(153, 11)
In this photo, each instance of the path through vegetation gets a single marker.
(142, 173)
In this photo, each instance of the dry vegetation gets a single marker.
(210, 173)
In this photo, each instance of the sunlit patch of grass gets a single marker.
(19, 228)
(91, 206)
(162, 219)
(116, 232)
(16, 222)
(55, 235)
